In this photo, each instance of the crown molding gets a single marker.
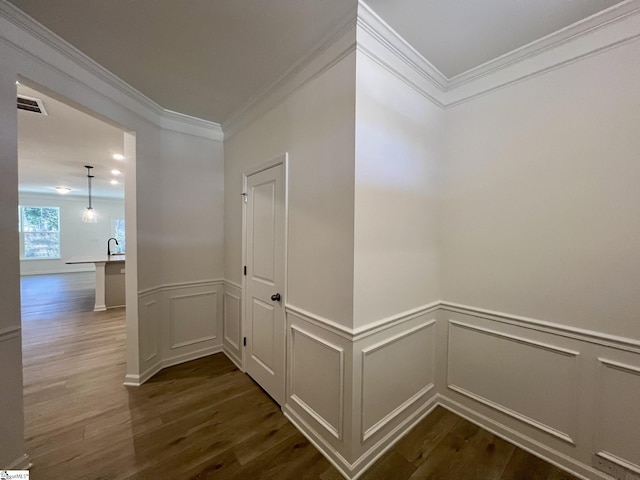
(336, 45)
(23, 21)
(370, 22)
(609, 28)
(179, 122)
(30, 30)
(553, 40)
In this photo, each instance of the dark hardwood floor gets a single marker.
(200, 420)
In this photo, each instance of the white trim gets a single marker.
(620, 366)
(172, 344)
(548, 42)
(590, 336)
(233, 284)
(619, 461)
(337, 430)
(393, 320)
(179, 285)
(137, 380)
(10, 333)
(335, 46)
(131, 99)
(154, 352)
(563, 47)
(319, 321)
(375, 26)
(387, 442)
(231, 356)
(368, 433)
(182, 123)
(534, 447)
(22, 463)
(380, 424)
(565, 437)
(517, 339)
(610, 457)
(226, 338)
(318, 441)
(362, 332)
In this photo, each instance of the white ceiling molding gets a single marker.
(607, 29)
(371, 23)
(33, 39)
(551, 41)
(335, 46)
(179, 122)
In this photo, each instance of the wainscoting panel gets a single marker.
(177, 323)
(529, 380)
(193, 318)
(149, 320)
(232, 322)
(618, 413)
(396, 372)
(319, 385)
(317, 379)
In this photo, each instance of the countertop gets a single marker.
(96, 259)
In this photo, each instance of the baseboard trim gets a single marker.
(231, 356)
(354, 470)
(337, 460)
(132, 380)
(387, 442)
(538, 449)
(22, 463)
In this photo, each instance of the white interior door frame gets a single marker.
(283, 160)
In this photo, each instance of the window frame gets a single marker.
(23, 234)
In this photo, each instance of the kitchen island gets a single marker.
(110, 286)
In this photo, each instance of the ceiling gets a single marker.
(53, 150)
(205, 58)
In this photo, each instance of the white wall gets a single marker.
(541, 205)
(12, 425)
(192, 225)
(398, 151)
(315, 125)
(76, 238)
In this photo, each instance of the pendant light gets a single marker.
(89, 215)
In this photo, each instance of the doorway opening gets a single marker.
(69, 343)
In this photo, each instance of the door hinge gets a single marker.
(245, 270)
(245, 197)
(244, 342)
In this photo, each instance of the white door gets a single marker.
(264, 285)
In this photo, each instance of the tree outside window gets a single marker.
(40, 229)
(118, 233)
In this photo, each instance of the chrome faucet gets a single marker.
(109, 246)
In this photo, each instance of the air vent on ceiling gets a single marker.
(31, 104)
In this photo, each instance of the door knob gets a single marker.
(276, 297)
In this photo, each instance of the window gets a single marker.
(118, 233)
(40, 232)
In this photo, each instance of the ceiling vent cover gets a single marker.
(31, 104)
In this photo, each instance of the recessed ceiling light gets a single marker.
(17, 82)
(116, 172)
(62, 190)
(118, 156)
(114, 182)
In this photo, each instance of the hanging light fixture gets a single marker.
(89, 215)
